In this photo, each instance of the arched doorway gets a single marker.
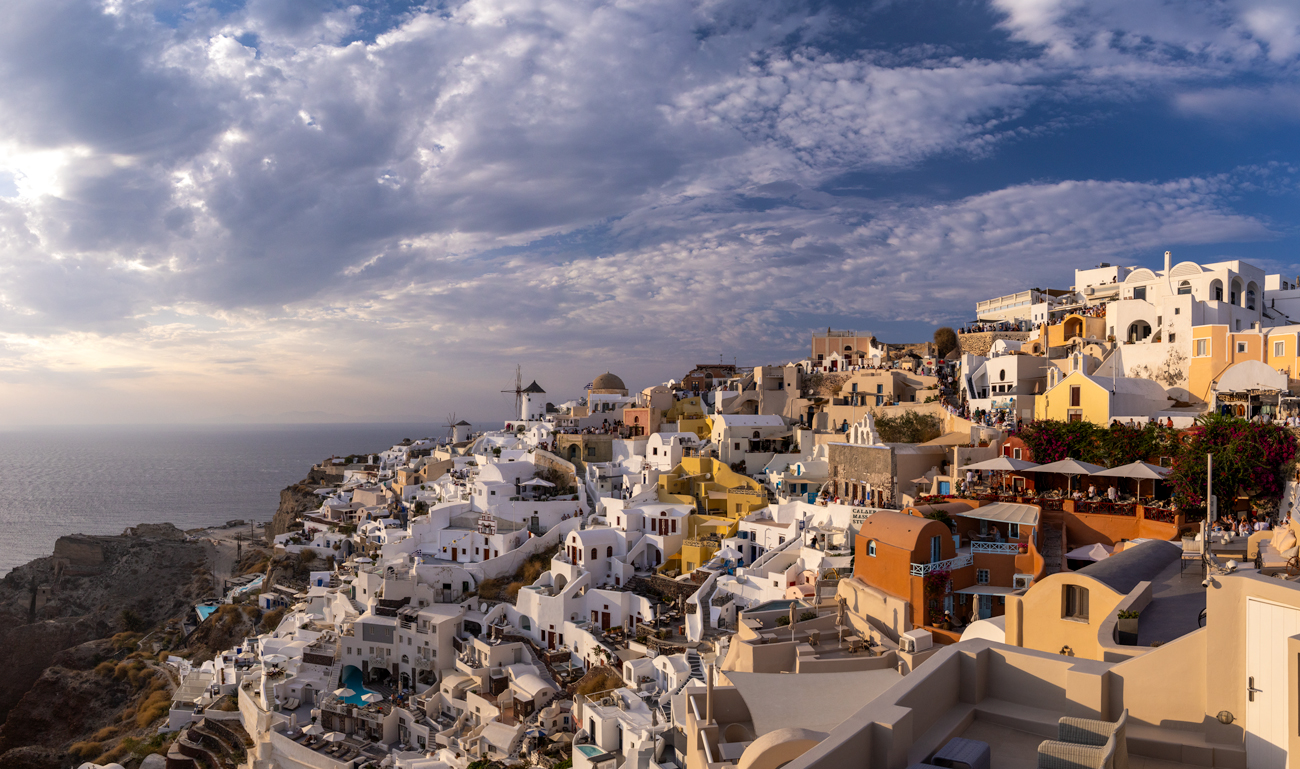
(1138, 330)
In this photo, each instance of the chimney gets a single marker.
(708, 695)
(1169, 256)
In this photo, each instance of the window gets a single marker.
(1171, 336)
(1184, 287)
(1178, 311)
(1202, 348)
(1074, 415)
(1241, 347)
(609, 552)
(871, 548)
(880, 388)
(1074, 602)
(981, 576)
(1013, 531)
(1076, 396)
(595, 554)
(1279, 349)
(1015, 453)
(1140, 293)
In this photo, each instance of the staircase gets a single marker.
(697, 674)
(1052, 550)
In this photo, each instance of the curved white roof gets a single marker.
(1251, 375)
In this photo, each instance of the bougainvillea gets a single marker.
(1050, 441)
(1250, 459)
(936, 582)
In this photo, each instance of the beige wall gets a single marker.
(868, 606)
(1179, 698)
(1041, 625)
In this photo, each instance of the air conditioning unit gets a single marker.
(1023, 581)
(914, 641)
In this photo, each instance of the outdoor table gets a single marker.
(961, 753)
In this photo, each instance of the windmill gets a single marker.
(451, 427)
(518, 391)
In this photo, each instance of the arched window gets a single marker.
(609, 552)
(1251, 290)
(595, 553)
(1235, 297)
(406, 660)
(1216, 290)
(524, 624)
(756, 435)
(1184, 287)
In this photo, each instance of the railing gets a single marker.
(995, 547)
(922, 569)
(1105, 507)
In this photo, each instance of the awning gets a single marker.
(987, 590)
(1006, 512)
(1140, 470)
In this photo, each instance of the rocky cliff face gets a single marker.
(91, 588)
(294, 501)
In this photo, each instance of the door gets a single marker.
(936, 549)
(550, 640)
(453, 554)
(604, 620)
(944, 488)
(986, 606)
(1267, 628)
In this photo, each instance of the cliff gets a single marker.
(294, 501)
(54, 610)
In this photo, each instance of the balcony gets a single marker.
(1000, 548)
(922, 569)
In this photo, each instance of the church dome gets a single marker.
(607, 382)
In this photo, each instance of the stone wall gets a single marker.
(981, 342)
(862, 464)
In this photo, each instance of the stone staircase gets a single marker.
(1052, 552)
(697, 674)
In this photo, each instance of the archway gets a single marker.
(1138, 331)
(560, 582)
(1216, 290)
(1251, 290)
(1235, 296)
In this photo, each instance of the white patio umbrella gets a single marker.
(537, 482)
(344, 692)
(313, 729)
(335, 737)
(1069, 467)
(1096, 552)
(372, 697)
(1139, 471)
(1003, 464)
(275, 659)
(729, 553)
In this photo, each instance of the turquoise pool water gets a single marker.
(352, 680)
(590, 751)
(205, 611)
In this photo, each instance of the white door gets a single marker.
(1267, 628)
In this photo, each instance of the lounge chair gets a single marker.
(1086, 742)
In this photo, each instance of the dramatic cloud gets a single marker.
(290, 204)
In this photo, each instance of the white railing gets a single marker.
(995, 547)
(922, 569)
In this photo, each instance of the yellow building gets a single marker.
(1074, 395)
(1074, 327)
(1216, 349)
(721, 498)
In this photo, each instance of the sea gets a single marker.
(100, 480)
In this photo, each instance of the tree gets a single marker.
(908, 427)
(1250, 459)
(945, 340)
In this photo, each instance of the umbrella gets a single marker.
(372, 697)
(1004, 464)
(1089, 553)
(1139, 471)
(314, 729)
(537, 482)
(729, 553)
(1068, 467)
(344, 692)
(275, 659)
(335, 737)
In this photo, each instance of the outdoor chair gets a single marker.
(1076, 736)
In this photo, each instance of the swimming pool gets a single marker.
(352, 679)
(590, 751)
(205, 611)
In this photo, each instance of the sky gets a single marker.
(305, 210)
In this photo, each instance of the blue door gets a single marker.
(944, 487)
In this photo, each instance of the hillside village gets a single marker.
(999, 548)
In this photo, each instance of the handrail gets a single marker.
(922, 569)
(1012, 548)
